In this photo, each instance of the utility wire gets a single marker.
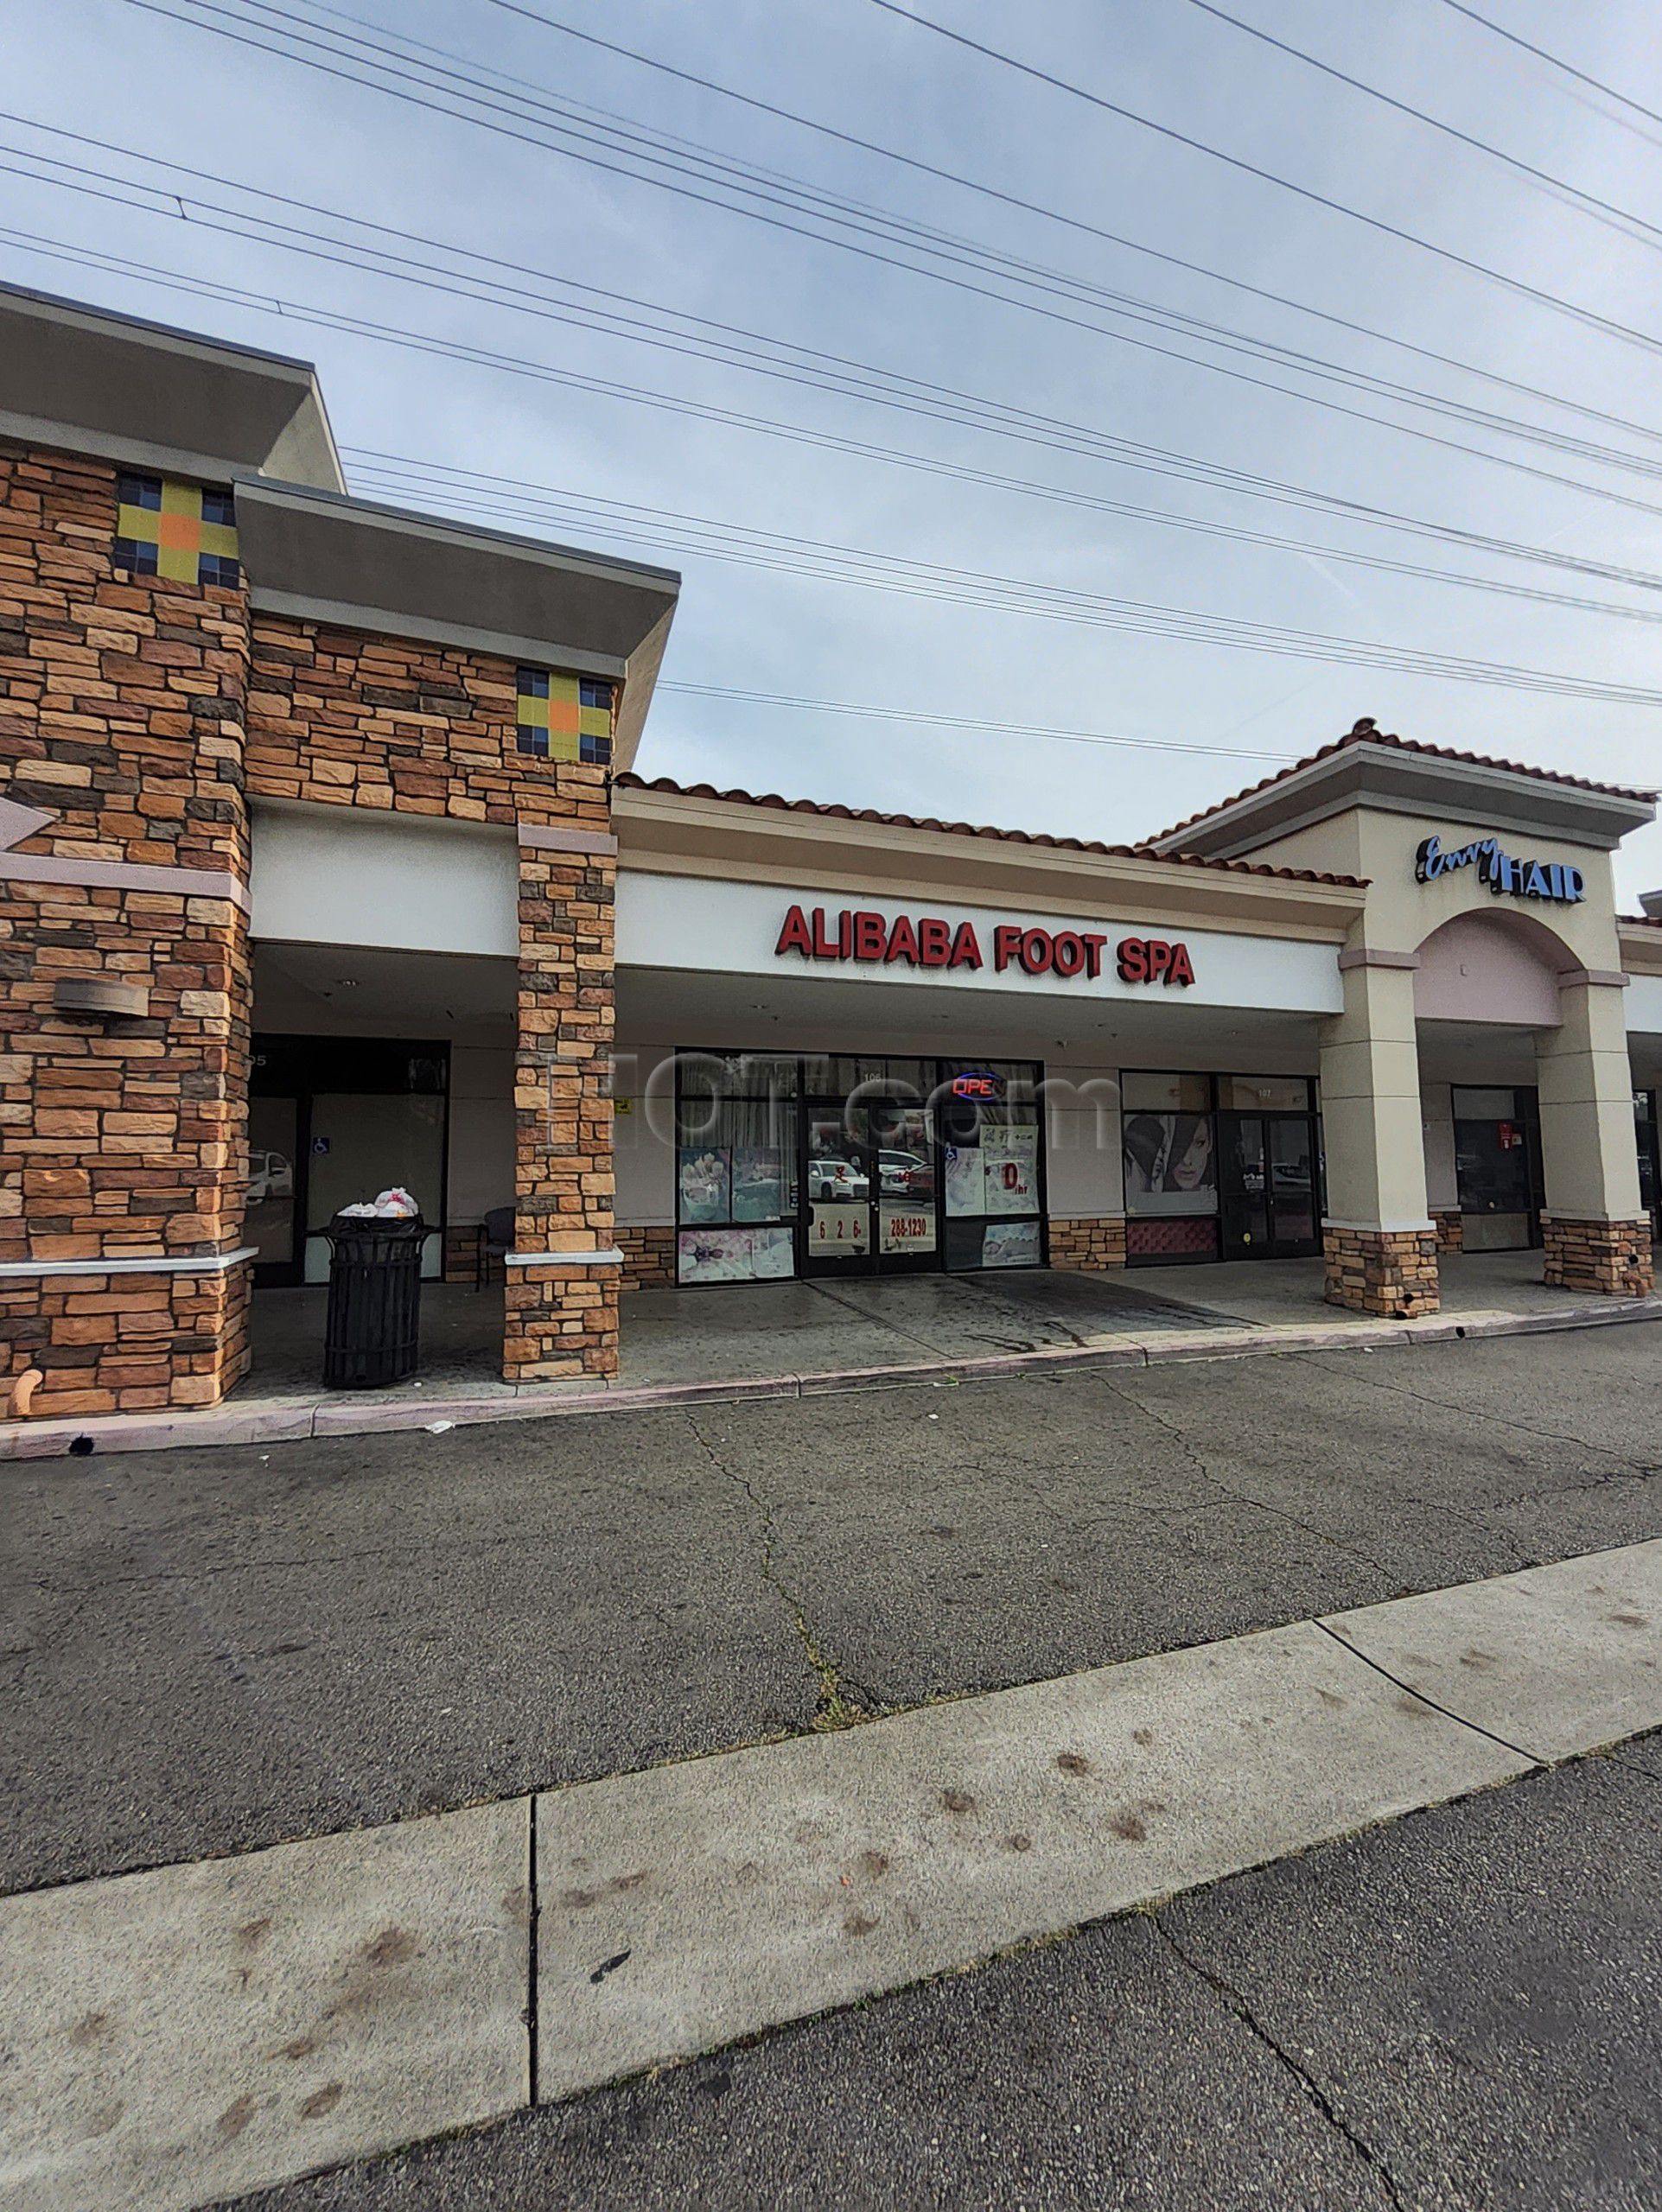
(1588, 203)
(786, 552)
(1648, 340)
(911, 717)
(606, 153)
(875, 386)
(476, 356)
(1052, 214)
(81, 177)
(1143, 460)
(1553, 61)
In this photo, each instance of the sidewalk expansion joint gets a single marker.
(839, 1705)
(1235, 2002)
(533, 1930)
(1447, 1712)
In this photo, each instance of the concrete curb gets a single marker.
(347, 1415)
(192, 2031)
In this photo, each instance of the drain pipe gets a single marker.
(23, 1393)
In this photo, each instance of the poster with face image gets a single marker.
(1171, 1164)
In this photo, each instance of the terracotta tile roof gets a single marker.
(1365, 733)
(631, 782)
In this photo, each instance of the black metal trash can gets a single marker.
(374, 1335)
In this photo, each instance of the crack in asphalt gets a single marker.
(1522, 1555)
(842, 1704)
(1242, 1497)
(1631, 1473)
(1237, 2003)
(1470, 1413)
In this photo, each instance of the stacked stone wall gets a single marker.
(1389, 1271)
(1088, 1245)
(122, 1135)
(648, 1252)
(1609, 1259)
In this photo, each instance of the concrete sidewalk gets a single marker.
(804, 1339)
(183, 2034)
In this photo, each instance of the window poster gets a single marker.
(772, 1253)
(1171, 1164)
(735, 1254)
(1010, 1169)
(715, 1255)
(704, 1176)
(966, 1179)
(1011, 1244)
(758, 1183)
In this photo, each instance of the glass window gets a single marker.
(1265, 1094)
(1143, 1091)
(1484, 1105)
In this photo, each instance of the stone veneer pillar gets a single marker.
(1597, 1234)
(562, 1274)
(1377, 1240)
(124, 853)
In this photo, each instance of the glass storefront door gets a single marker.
(904, 1186)
(276, 1175)
(1268, 1186)
(1498, 1168)
(837, 1164)
(836, 1191)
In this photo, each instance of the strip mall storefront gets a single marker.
(323, 866)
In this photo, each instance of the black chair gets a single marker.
(495, 1242)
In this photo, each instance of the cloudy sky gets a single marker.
(838, 447)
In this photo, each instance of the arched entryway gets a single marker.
(1526, 1098)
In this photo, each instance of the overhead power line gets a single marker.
(784, 552)
(507, 364)
(625, 143)
(546, 21)
(1148, 459)
(1588, 203)
(911, 717)
(55, 170)
(1554, 61)
(1515, 285)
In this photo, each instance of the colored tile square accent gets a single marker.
(563, 717)
(184, 532)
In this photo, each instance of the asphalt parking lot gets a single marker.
(209, 1649)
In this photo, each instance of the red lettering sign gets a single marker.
(862, 934)
(1152, 960)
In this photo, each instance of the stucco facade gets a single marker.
(321, 863)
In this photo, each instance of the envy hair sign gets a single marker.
(861, 935)
(1553, 881)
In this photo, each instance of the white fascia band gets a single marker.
(205, 1264)
(609, 1257)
